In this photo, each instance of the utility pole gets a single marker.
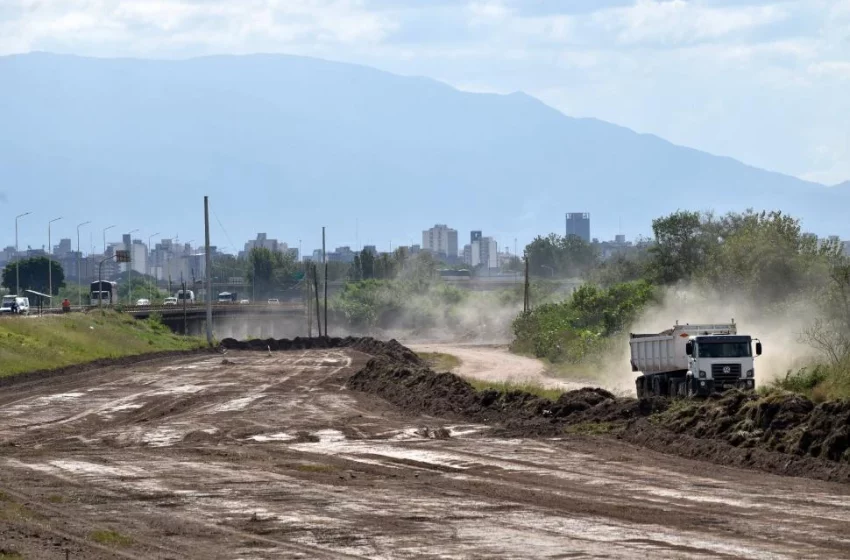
(526, 304)
(185, 321)
(18, 256)
(208, 269)
(325, 258)
(50, 262)
(308, 273)
(318, 307)
(79, 274)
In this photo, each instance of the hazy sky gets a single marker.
(766, 82)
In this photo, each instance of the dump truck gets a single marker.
(693, 360)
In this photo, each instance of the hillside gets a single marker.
(287, 144)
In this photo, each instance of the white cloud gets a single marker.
(760, 80)
(677, 21)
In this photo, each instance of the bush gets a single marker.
(580, 327)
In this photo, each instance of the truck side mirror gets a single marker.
(758, 348)
(689, 348)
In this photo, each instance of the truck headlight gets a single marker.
(701, 374)
(750, 373)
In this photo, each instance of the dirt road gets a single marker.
(266, 455)
(496, 363)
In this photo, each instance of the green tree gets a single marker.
(34, 275)
(555, 255)
(683, 241)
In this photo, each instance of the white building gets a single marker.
(484, 252)
(440, 240)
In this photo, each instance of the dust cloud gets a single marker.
(779, 328)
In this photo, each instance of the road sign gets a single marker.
(122, 256)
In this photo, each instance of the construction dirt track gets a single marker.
(267, 455)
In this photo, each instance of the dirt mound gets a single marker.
(783, 423)
(393, 350)
(781, 433)
(417, 388)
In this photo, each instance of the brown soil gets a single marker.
(786, 434)
(259, 454)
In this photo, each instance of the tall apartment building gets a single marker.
(440, 240)
(578, 224)
(481, 251)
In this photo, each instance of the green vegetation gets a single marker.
(580, 328)
(9, 555)
(110, 538)
(510, 386)
(10, 510)
(34, 275)
(439, 361)
(61, 340)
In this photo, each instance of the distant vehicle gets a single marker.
(274, 301)
(23, 304)
(244, 301)
(187, 295)
(143, 301)
(170, 301)
(103, 293)
(227, 297)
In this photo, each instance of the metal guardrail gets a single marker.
(194, 307)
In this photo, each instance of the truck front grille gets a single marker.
(721, 377)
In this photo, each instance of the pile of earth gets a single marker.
(779, 432)
(782, 433)
(416, 388)
(391, 350)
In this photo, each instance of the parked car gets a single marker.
(274, 301)
(23, 304)
(170, 301)
(143, 301)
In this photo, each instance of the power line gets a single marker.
(235, 248)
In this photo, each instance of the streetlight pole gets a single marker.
(50, 261)
(148, 266)
(18, 256)
(130, 268)
(104, 238)
(79, 275)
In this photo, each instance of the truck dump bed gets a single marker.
(665, 352)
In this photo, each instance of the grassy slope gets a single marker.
(439, 361)
(28, 344)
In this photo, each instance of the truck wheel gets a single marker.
(674, 388)
(639, 387)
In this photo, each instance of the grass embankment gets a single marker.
(50, 342)
(509, 386)
(820, 382)
(440, 362)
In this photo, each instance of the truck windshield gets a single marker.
(724, 350)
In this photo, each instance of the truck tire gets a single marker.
(657, 389)
(640, 387)
(674, 388)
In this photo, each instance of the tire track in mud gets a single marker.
(372, 480)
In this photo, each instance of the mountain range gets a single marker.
(286, 144)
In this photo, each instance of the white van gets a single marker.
(188, 295)
(23, 304)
